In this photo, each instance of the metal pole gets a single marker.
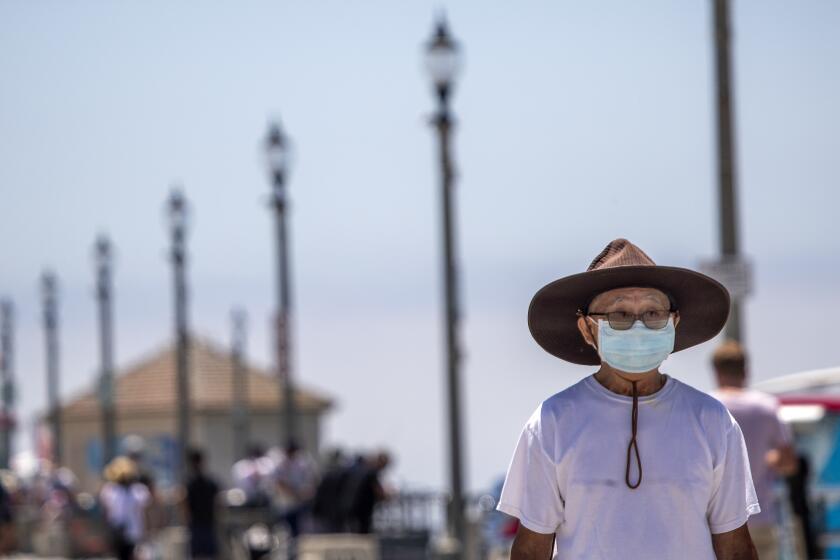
(444, 124)
(106, 349)
(49, 285)
(726, 155)
(7, 376)
(240, 414)
(284, 312)
(177, 206)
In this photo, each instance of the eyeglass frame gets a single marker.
(636, 317)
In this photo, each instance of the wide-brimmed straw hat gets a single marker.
(703, 303)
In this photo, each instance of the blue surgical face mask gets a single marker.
(636, 350)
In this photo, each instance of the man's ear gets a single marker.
(676, 318)
(583, 327)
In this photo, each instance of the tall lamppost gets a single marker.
(49, 289)
(443, 62)
(240, 413)
(7, 379)
(731, 269)
(178, 221)
(278, 156)
(103, 260)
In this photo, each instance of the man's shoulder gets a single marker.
(704, 405)
(748, 401)
(765, 401)
(554, 408)
(565, 398)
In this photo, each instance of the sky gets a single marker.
(577, 122)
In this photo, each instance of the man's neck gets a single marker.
(731, 388)
(621, 382)
(731, 384)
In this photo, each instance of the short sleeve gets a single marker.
(531, 492)
(733, 495)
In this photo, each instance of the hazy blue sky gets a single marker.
(578, 122)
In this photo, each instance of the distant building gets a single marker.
(146, 401)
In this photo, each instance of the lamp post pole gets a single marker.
(277, 152)
(178, 230)
(106, 348)
(442, 60)
(49, 288)
(239, 380)
(7, 379)
(728, 209)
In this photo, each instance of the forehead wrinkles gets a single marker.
(606, 300)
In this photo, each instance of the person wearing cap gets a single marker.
(629, 463)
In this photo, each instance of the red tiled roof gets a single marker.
(149, 385)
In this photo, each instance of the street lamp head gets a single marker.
(277, 153)
(443, 59)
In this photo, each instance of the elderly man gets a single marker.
(629, 463)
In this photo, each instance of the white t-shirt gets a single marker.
(125, 507)
(567, 474)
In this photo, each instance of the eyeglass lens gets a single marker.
(654, 319)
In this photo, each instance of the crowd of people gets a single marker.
(287, 486)
(285, 489)
(339, 497)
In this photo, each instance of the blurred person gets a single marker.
(252, 475)
(59, 502)
(629, 462)
(768, 441)
(364, 490)
(498, 529)
(805, 539)
(355, 470)
(200, 505)
(327, 506)
(124, 500)
(296, 477)
(134, 447)
(8, 537)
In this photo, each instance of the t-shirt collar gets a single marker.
(663, 392)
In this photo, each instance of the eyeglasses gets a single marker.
(655, 319)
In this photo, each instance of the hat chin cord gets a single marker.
(633, 446)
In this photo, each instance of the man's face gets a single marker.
(634, 301)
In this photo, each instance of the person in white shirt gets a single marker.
(296, 477)
(124, 500)
(252, 475)
(629, 463)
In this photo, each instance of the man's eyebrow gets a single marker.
(620, 298)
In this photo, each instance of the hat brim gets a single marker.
(703, 304)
